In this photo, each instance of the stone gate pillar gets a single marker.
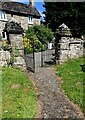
(62, 43)
(15, 38)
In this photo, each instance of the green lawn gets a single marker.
(73, 81)
(18, 95)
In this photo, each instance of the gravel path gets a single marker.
(54, 103)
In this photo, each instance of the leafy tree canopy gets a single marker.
(70, 13)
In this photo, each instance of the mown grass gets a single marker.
(18, 95)
(73, 80)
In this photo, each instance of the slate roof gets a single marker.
(19, 8)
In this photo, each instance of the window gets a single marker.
(3, 35)
(30, 19)
(3, 15)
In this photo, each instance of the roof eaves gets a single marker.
(20, 8)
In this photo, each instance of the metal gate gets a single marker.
(48, 55)
(30, 62)
(30, 58)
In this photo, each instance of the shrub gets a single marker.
(28, 45)
(44, 34)
(41, 36)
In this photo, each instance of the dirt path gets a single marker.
(54, 104)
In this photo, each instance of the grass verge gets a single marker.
(18, 95)
(73, 80)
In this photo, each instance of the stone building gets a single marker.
(15, 18)
(25, 14)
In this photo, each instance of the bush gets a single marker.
(28, 45)
(44, 34)
(41, 36)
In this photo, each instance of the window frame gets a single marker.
(3, 15)
(3, 38)
(30, 19)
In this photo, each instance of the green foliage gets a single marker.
(73, 81)
(7, 47)
(44, 34)
(41, 36)
(70, 13)
(28, 44)
(19, 97)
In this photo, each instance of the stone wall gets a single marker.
(22, 19)
(15, 46)
(2, 25)
(69, 48)
(36, 21)
(18, 49)
(4, 58)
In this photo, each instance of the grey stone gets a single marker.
(69, 47)
(54, 103)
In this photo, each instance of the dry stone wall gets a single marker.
(70, 48)
(4, 57)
